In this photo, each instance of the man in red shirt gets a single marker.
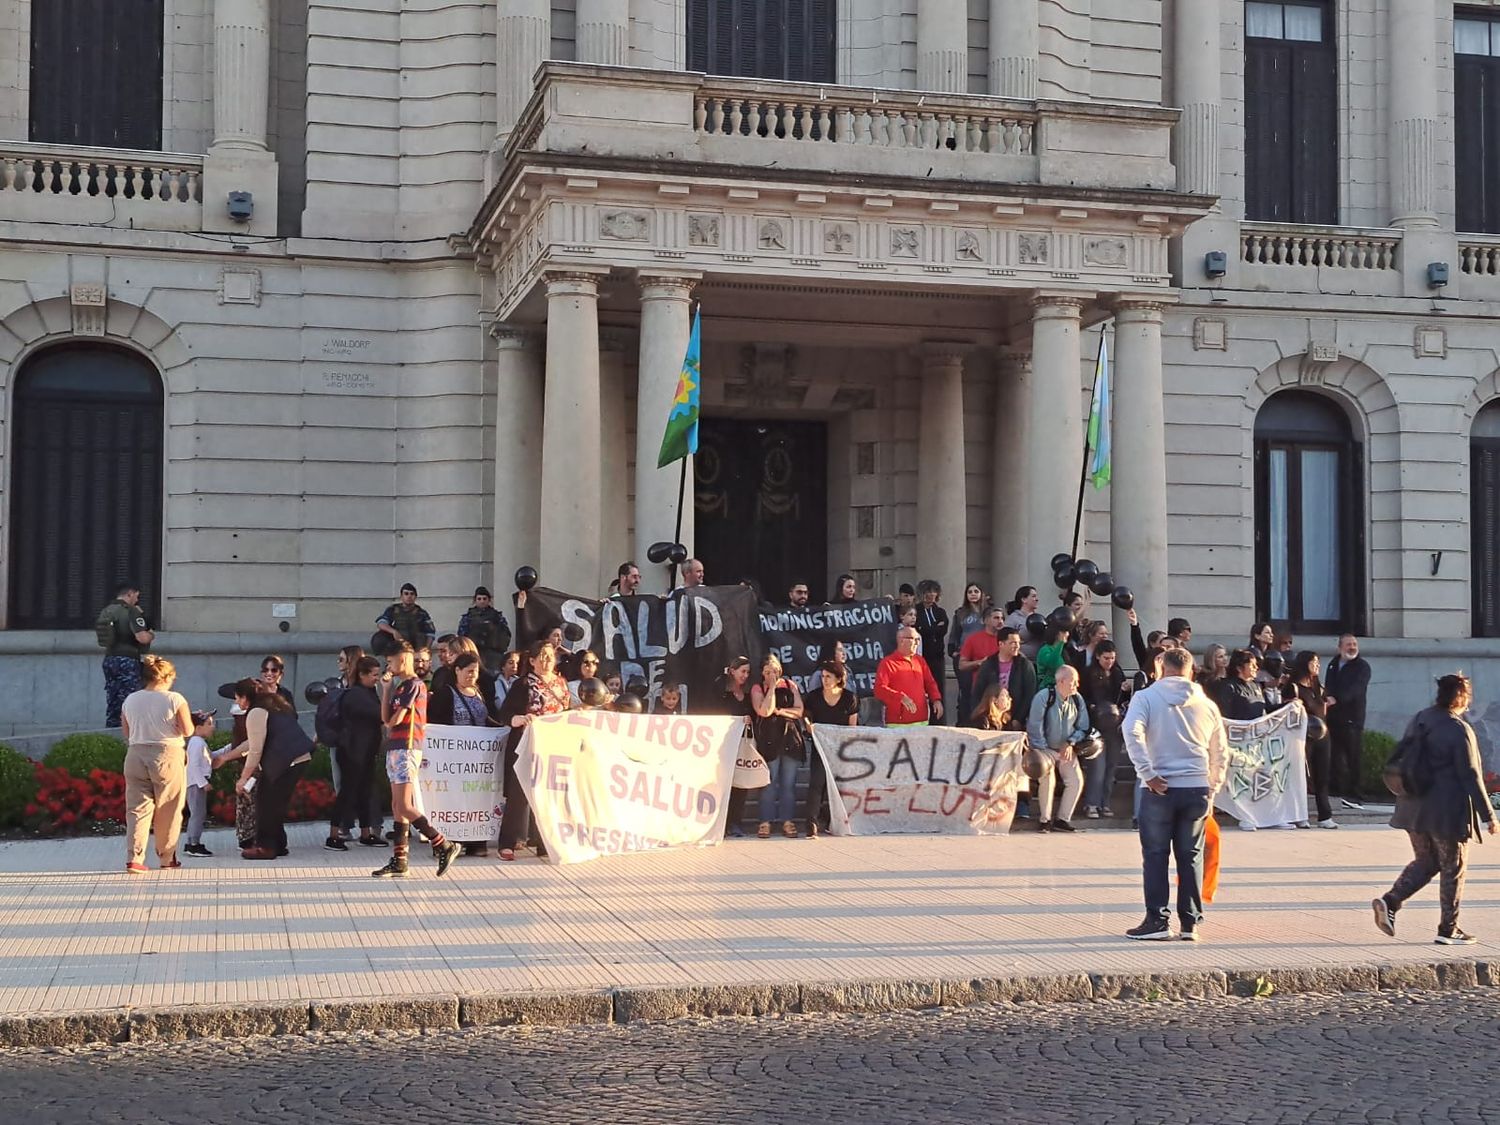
(904, 683)
(977, 649)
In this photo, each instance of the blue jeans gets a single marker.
(778, 800)
(1172, 825)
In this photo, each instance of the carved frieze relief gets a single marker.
(1109, 252)
(703, 230)
(625, 226)
(1034, 249)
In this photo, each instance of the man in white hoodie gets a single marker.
(1175, 738)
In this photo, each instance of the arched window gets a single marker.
(1484, 522)
(1309, 515)
(86, 485)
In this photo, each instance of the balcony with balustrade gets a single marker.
(66, 184)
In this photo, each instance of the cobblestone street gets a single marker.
(1370, 1058)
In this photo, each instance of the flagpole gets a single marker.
(1083, 472)
(677, 532)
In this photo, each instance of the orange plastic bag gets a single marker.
(1210, 859)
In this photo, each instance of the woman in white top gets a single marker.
(156, 722)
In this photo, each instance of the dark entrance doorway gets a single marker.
(762, 504)
(86, 485)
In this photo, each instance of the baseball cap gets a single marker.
(201, 717)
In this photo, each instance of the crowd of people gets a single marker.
(1059, 679)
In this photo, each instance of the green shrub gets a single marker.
(321, 766)
(220, 739)
(17, 786)
(1377, 749)
(80, 754)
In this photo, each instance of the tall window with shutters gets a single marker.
(1291, 113)
(1476, 121)
(96, 73)
(788, 39)
(1309, 515)
(1484, 522)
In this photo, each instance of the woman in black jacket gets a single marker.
(1446, 815)
(1239, 695)
(358, 754)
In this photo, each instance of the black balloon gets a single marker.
(629, 703)
(592, 692)
(679, 554)
(1273, 664)
(1107, 715)
(315, 691)
(1086, 570)
(1103, 585)
(1064, 576)
(637, 687)
(1062, 617)
(526, 577)
(1060, 558)
(1036, 625)
(1123, 598)
(659, 552)
(1317, 729)
(1139, 681)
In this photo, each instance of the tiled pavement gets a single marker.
(80, 936)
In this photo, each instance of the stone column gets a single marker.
(571, 486)
(942, 492)
(238, 159)
(614, 457)
(1014, 34)
(524, 38)
(1196, 64)
(1138, 485)
(1010, 475)
(1413, 104)
(666, 322)
(518, 455)
(1054, 434)
(943, 46)
(604, 32)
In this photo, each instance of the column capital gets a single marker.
(675, 286)
(577, 280)
(1141, 307)
(1050, 306)
(1014, 357)
(942, 353)
(515, 336)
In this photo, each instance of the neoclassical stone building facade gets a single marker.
(440, 336)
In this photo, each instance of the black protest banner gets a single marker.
(685, 638)
(801, 638)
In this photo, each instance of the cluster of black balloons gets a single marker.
(1067, 573)
(315, 692)
(660, 552)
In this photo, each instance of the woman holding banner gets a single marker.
(736, 701)
(540, 692)
(777, 707)
(831, 705)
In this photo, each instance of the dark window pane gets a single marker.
(96, 73)
(789, 39)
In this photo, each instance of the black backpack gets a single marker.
(1407, 771)
(328, 723)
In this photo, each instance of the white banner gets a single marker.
(603, 783)
(460, 781)
(920, 779)
(1266, 784)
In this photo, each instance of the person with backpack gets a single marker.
(125, 637)
(348, 719)
(1058, 722)
(1441, 803)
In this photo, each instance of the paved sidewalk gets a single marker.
(80, 936)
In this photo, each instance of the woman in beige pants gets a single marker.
(156, 722)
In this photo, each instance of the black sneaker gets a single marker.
(1063, 826)
(1151, 929)
(1044, 826)
(395, 869)
(1455, 936)
(1385, 917)
(374, 841)
(445, 853)
(198, 850)
(334, 844)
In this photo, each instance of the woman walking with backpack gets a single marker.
(1441, 809)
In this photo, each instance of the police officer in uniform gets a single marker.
(124, 636)
(487, 628)
(401, 621)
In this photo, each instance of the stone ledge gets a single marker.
(634, 1005)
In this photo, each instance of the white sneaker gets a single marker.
(1302, 824)
(1348, 804)
(1329, 823)
(1091, 814)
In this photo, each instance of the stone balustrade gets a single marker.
(673, 118)
(1479, 255)
(100, 187)
(1353, 248)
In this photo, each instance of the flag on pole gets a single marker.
(1098, 468)
(681, 437)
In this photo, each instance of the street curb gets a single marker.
(620, 1006)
